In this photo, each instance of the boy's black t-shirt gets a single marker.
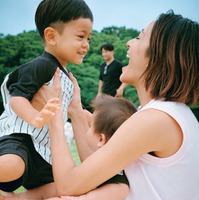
(26, 80)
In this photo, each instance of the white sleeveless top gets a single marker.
(175, 177)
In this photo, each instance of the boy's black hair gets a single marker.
(107, 46)
(63, 11)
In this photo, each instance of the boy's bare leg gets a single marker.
(11, 167)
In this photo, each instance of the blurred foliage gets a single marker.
(19, 49)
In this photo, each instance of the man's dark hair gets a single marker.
(107, 46)
(54, 13)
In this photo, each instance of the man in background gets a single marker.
(110, 71)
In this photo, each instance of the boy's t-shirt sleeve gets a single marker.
(27, 79)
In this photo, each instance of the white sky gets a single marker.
(18, 15)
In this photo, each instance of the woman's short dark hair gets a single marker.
(110, 113)
(173, 68)
(50, 12)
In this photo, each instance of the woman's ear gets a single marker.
(50, 35)
(102, 140)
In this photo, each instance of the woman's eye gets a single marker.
(137, 38)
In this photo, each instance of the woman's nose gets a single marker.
(128, 44)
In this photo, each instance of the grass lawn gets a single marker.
(75, 156)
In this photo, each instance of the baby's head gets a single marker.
(110, 112)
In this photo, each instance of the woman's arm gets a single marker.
(132, 139)
(137, 136)
(102, 164)
(81, 124)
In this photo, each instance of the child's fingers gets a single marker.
(53, 107)
(45, 114)
(53, 101)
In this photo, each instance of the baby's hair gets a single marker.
(110, 113)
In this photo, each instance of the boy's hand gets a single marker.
(47, 112)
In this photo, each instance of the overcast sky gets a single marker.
(17, 16)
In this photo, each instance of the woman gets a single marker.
(158, 145)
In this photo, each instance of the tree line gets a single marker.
(16, 50)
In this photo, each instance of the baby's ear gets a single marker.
(102, 140)
(50, 35)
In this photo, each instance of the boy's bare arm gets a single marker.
(28, 113)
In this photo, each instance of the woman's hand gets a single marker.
(76, 101)
(47, 93)
(47, 101)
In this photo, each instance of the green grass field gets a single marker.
(75, 156)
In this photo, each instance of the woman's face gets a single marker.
(137, 57)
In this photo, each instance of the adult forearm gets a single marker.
(62, 161)
(80, 123)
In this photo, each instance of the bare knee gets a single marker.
(11, 167)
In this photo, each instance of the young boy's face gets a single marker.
(73, 43)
